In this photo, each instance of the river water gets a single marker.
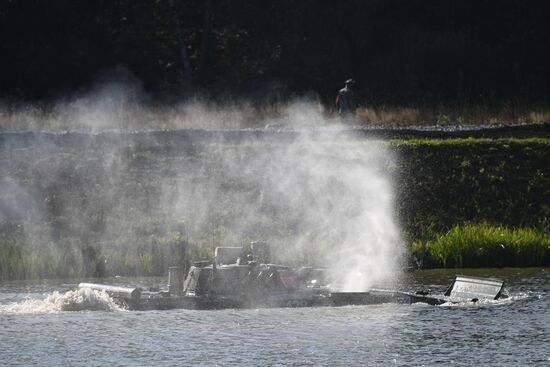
(514, 332)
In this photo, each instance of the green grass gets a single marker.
(415, 142)
(482, 245)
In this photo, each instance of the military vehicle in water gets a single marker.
(245, 278)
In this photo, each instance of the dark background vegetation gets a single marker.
(417, 52)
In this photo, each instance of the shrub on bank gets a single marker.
(482, 245)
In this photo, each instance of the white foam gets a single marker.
(488, 302)
(78, 300)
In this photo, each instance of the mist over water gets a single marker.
(320, 198)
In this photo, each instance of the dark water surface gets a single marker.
(513, 332)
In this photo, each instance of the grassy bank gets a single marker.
(507, 113)
(441, 183)
(482, 245)
(82, 210)
(69, 257)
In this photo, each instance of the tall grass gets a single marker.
(69, 257)
(451, 115)
(482, 245)
(123, 114)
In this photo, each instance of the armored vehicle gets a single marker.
(240, 277)
(245, 278)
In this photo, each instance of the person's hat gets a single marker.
(350, 81)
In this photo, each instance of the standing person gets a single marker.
(345, 99)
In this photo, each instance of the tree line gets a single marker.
(418, 52)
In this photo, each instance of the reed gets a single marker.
(483, 245)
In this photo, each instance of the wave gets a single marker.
(83, 299)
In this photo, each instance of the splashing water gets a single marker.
(518, 297)
(83, 299)
(370, 251)
(321, 198)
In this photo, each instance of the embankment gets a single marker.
(77, 205)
